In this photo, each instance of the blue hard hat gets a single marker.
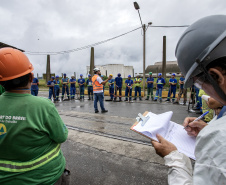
(53, 77)
(57, 76)
(160, 74)
(65, 74)
(89, 75)
(119, 74)
(102, 76)
(81, 74)
(129, 76)
(173, 74)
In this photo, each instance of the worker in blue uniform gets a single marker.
(57, 88)
(137, 84)
(159, 85)
(129, 88)
(102, 77)
(34, 86)
(89, 84)
(118, 87)
(81, 83)
(150, 83)
(198, 100)
(72, 87)
(172, 88)
(111, 87)
(51, 85)
(65, 82)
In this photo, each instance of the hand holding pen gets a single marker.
(194, 125)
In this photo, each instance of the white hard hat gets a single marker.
(96, 69)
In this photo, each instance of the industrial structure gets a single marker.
(114, 69)
(171, 67)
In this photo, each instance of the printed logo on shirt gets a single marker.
(3, 130)
(11, 119)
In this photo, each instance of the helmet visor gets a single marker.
(210, 54)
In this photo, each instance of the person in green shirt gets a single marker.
(31, 129)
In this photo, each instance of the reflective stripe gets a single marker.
(96, 85)
(11, 166)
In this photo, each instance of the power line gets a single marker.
(78, 49)
(95, 44)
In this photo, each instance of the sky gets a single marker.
(61, 25)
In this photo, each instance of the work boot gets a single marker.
(126, 99)
(167, 100)
(120, 99)
(96, 111)
(134, 99)
(160, 101)
(140, 99)
(155, 99)
(176, 102)
(104, 111)
(147, 98)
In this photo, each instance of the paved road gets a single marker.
(95, 156)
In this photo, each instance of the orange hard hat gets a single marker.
(13, 64)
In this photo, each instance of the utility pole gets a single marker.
(92, 61)
(48, 69)
(144, 52)
(164, 58)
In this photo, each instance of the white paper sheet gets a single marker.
(171, 131)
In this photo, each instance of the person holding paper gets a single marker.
(159, 85)
(173, 88)
(129, 88)
(205, 66)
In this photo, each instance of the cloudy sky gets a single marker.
(60, 25)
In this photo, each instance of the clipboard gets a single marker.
(144, 114)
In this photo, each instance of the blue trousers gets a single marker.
(172, 90)
(82, 92)
(51, 93)
(34, 92)
(138, 89)
(198, 99)
(111, 92)
(65, 88)
(90, 92)
(158, 94)
(57, 92)
(128, 91)
(72, 91)
(99, 97)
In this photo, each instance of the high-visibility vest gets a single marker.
(138, 83)
(11, 166)
(96, 85)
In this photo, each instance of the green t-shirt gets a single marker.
(30, 127)
(2, 90)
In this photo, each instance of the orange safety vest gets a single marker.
(96, 85)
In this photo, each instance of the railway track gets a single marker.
(109, 135)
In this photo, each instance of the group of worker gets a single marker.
(115, 87)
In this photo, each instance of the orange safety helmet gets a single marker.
(13, 64)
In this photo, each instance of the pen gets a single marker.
(200, 117)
